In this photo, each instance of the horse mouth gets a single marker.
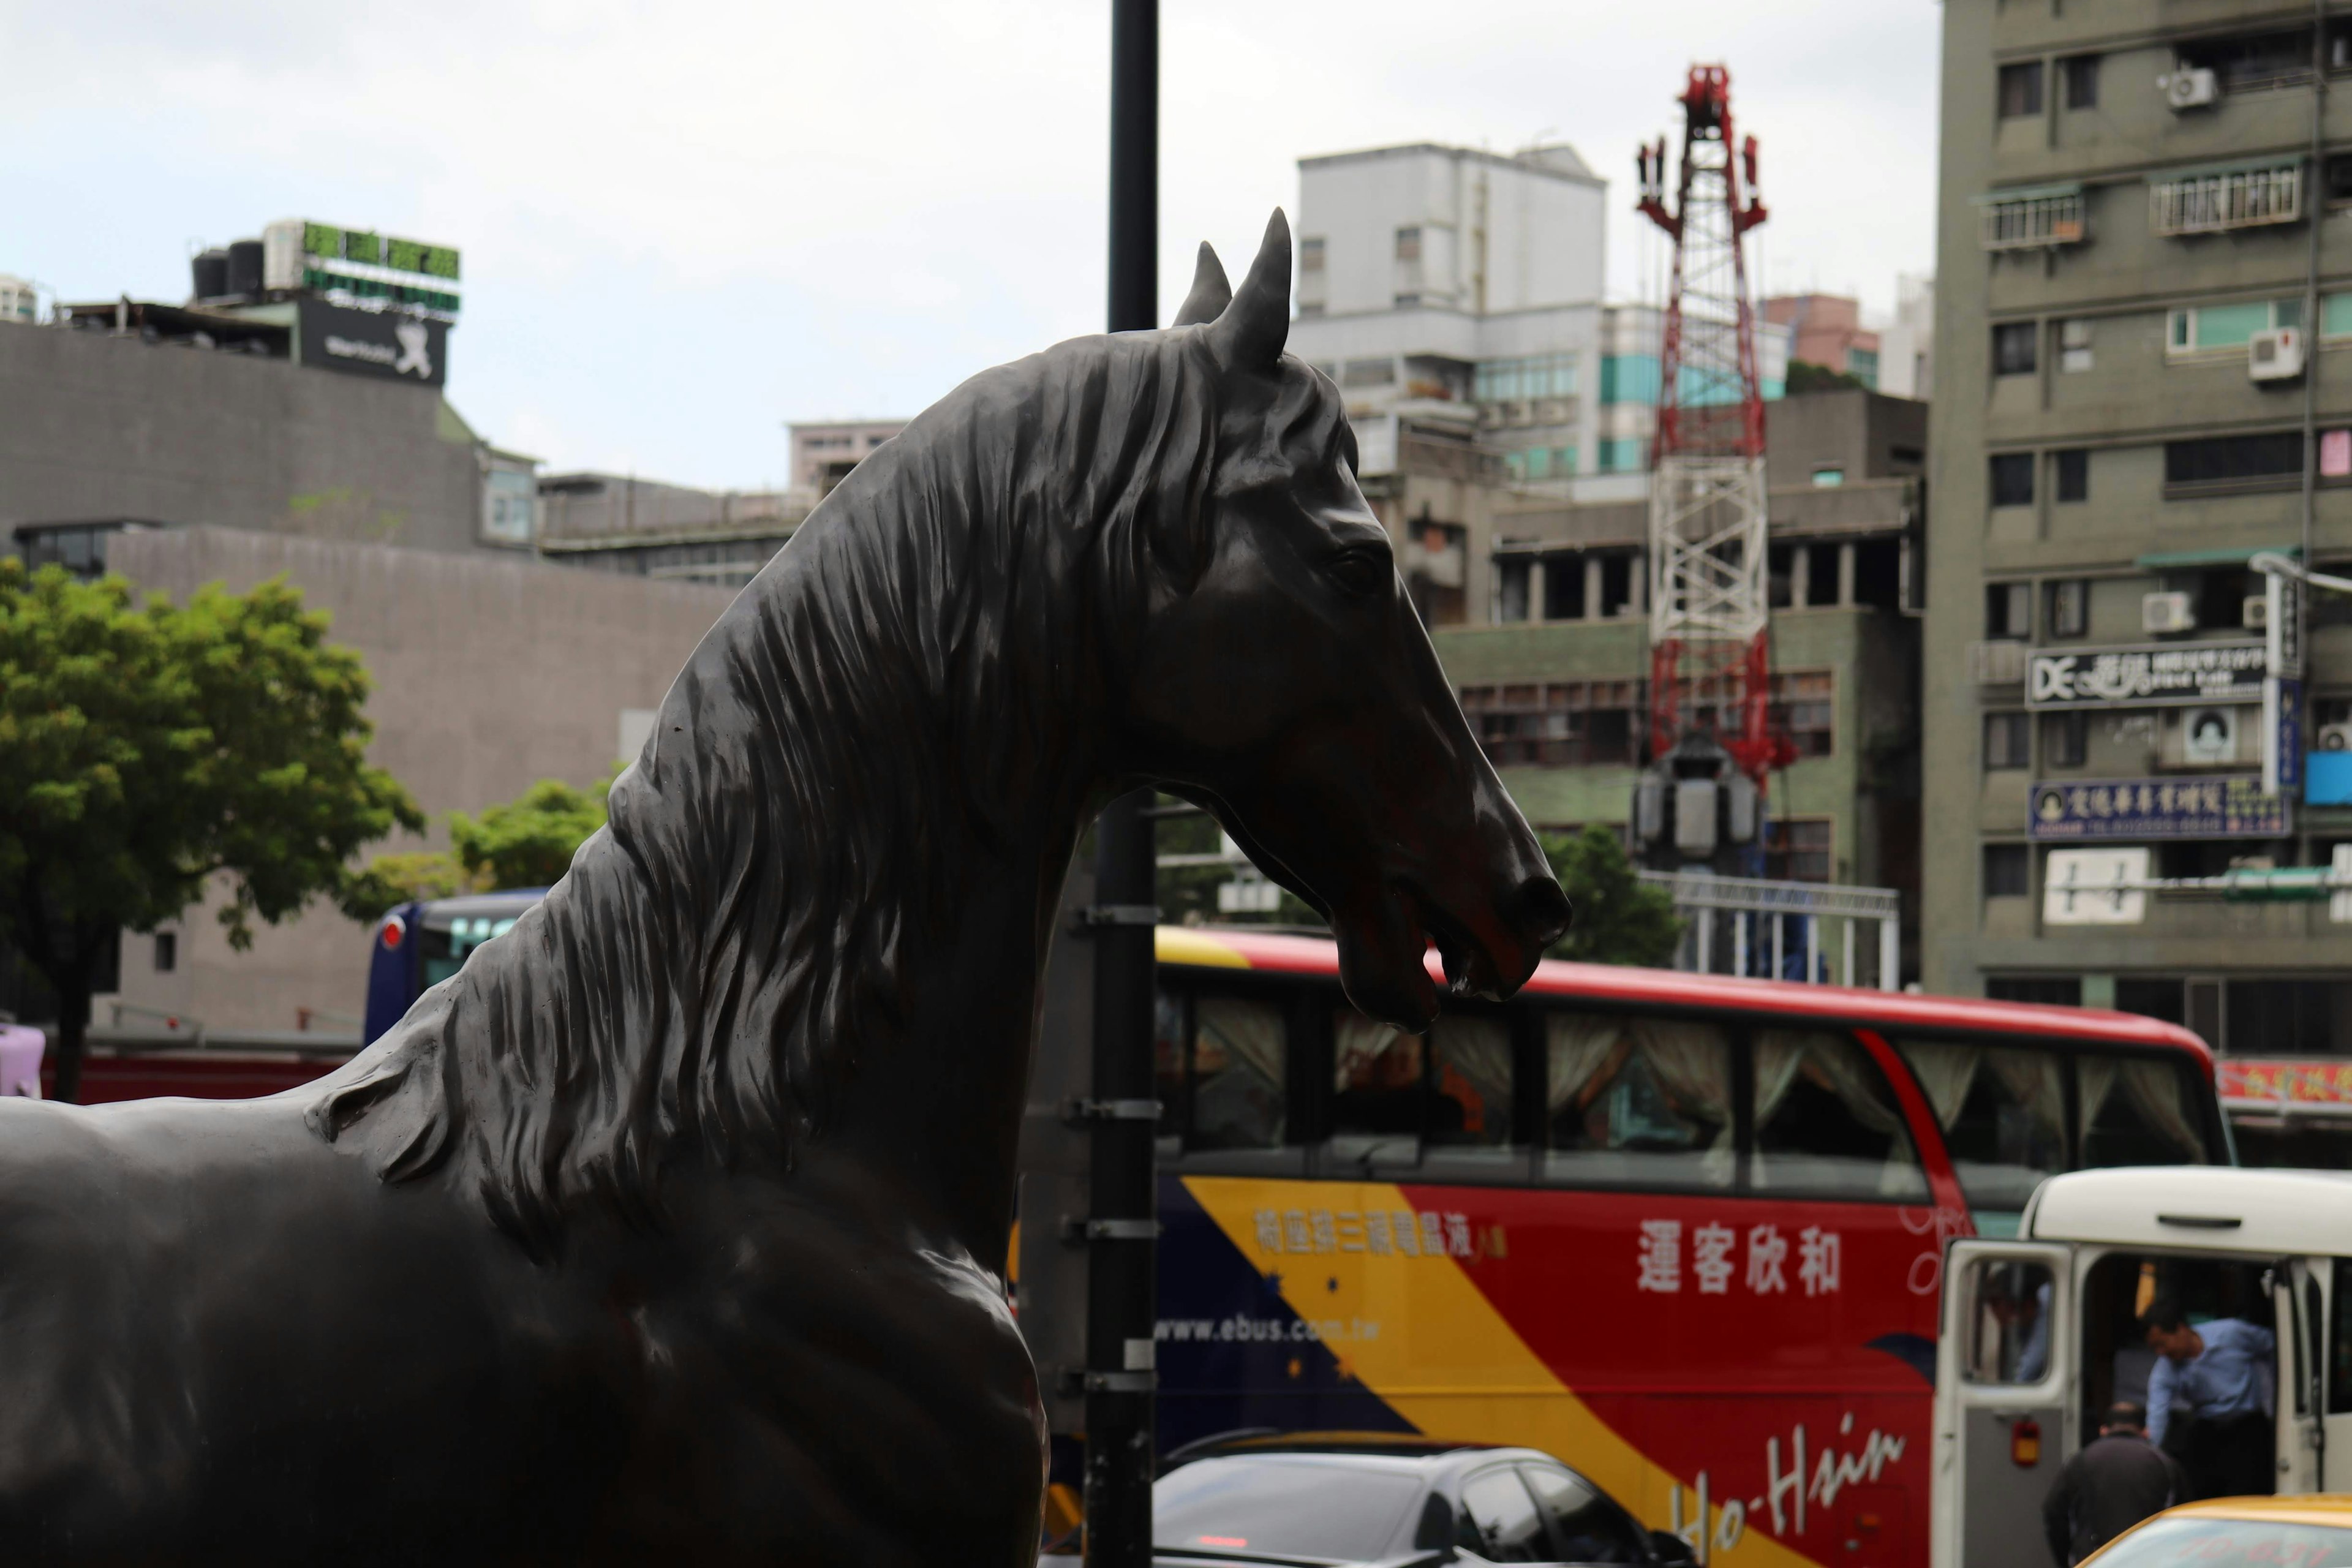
(1384, 958)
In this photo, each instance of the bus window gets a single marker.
(2009, 1334)
(446, 947)
(1826, 1123)
(1470, 1107)
(2003, 1112)
(2339, 1342)
(1637, 1101)
(1171, 1034)
(1376, 1091)
(2134, 1111)
(1238, 1051)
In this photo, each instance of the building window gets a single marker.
(2233, 459)
(2070, 607)
(1519, 380)
(2005, 867)
(2012, 348)
(2006, 742)
(2065, 741)
(1557, 723)
(1802, 708)
(2211, 328)
(2071, 474)
(2074, 346)
(1796, 850)
(2082, 74)
(2249, 196)
(1563, 588)
(2021, 89)
(1310, 255)
(167, 951)
(1828, 478)
(2049, 990)
(2012, 479)
(2008, 609)
(1621, 457)
(1407, 301)
(1358, 373)
(1511, 588)
(1408, 244)
(2252, 59)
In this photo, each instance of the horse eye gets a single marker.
(1359, 571)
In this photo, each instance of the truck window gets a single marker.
(2009, 1334)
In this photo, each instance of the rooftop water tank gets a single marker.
(211, 268)
(245, 266)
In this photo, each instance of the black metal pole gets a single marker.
(1122, 1282)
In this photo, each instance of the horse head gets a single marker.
(1292, 693)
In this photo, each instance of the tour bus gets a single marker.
(1684, 1232)
(2041, 1333)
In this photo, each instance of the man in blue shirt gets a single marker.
(2224, 1374)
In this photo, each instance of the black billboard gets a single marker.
(370, 342)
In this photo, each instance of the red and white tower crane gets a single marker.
(1709, 651)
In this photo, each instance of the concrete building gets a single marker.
(488, 673)
(824, 453)
(1906, 344)
(189, 418)
(1555, 676)
(2135, 247)
(618, 522)
(1826, 330)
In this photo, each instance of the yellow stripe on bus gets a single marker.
(1174, 944)
(1439, 1354)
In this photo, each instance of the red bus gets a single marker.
(1683, 1232)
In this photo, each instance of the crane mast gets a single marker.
(1709, 643)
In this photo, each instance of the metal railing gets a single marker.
(1775, 926)
(2214, 203)
(2033, 221)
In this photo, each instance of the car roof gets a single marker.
(2325, 1508)
(1410, 1451)
(2212, 1208)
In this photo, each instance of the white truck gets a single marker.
(2039, 1333)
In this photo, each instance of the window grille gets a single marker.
(2033, 220)
(2213, 201)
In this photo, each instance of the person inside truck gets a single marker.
(2217, 1383)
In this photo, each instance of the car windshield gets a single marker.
(1283, 1504)
(2231, 1543)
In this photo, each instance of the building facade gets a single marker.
(2138, 236)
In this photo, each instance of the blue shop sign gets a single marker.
(2140, 809)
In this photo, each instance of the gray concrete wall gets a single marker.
(488, 674)
(96, 425)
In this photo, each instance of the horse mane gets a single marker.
(854, 735)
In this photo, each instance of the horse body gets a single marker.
(672, 1226)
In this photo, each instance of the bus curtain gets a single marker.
(2152, 1087)
(1689, 1061)
(2029, 1080)
(1837, 1065)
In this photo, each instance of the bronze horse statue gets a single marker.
(671, 1228)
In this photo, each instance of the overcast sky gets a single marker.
(684, 224)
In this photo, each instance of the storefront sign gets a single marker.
(2230, 807)
(2159, 674)
(2296, 1083)
(384, 343)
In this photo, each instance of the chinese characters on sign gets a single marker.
(2228, 808)
(1660, 1260)
(2155, 675)
(1379, 1233)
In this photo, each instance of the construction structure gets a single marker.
(1712, 742)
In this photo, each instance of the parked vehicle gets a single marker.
(1367, 1499)
(2238, 1532)
(2041, 1335)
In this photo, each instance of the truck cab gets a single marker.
(2038, 1333)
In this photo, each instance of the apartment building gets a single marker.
(2144, 288)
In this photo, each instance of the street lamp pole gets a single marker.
(1122, 1226)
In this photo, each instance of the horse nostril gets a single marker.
(1543, 910)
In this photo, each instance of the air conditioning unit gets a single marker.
(2276, 355)
(1999, 662)
(2333, 738)
(2191, 88)
(2166, 612)
(2255, 612)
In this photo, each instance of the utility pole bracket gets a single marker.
(1095, 917)
(1079, 1112)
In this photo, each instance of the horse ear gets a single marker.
(1251, 333)
(1210, 293)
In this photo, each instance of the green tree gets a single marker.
(1805, 376)
(529, 841)
(1619, 918)
(149, 750)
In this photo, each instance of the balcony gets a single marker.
(2042, 217)
(2217, 200)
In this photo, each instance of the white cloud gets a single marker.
(683, 223)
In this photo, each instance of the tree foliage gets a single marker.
(1619, 918)
(528, 842)
(148, 750)
(1805, 376)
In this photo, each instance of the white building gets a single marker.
(1906, 345)
(18, 303)
(1456, 292)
